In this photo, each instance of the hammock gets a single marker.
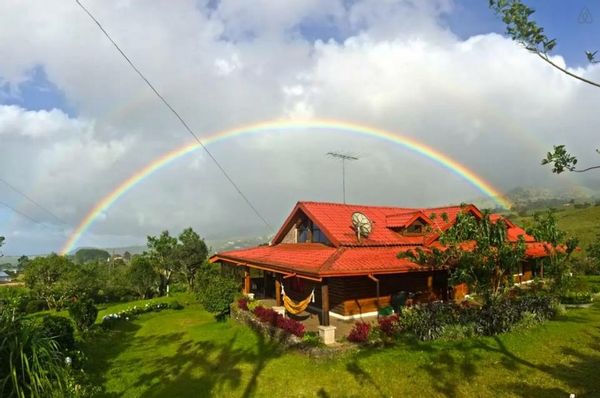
(296, 307)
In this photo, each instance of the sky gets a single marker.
(76, 121)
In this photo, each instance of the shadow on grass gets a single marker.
(454, 363)
(103, 347)
(199, 368)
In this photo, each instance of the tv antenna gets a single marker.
(343, 157)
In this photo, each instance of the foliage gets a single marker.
(288, 325)
(57, 328)
(360, 332)
(216, 289)
(476, 252)
(84, 313)
(428, 321)
(192, 253)
(312, 339)
(389, 325)
(47, 278)
(458, 331)
(22, 263)
(243, 303)
(142, 276)
(576, 297)
(555, 264)
(163, 252)
(31, 364)
(90, 255)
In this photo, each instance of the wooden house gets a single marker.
(319, 250)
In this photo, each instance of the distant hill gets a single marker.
(214, 245)
(534, 198)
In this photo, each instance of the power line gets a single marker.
(20, 213)
(343, 157)
(32, 201)
(183, 122)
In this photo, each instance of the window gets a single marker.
(319, 236)
(415, 228)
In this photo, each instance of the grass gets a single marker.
(187, 353)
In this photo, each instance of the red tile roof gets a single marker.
(376, 253)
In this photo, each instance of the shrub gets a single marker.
(360, 332)
(497, 316)
(243, 304)
(571, 297)
(312, 339)
(175, 305)
(58, 328)
(459, 331)
(266, 315)
(32, 365)
(528, 320)
(35, 306)
(216, 290)
(427, 321)
(389, 325)
(84, 313)
(542, 306)
(290, 326)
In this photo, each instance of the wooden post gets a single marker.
(277, 291)
(324, 303)
(246, 280)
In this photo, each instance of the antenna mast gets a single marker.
(343, 157)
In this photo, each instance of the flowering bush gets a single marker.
(131, 312)
(288, 325)
(266, 315)
(243, 304)
(389, 325)
(360, 332)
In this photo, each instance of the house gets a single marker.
(4, 277)
(345, 257)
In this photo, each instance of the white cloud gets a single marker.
(484, 101)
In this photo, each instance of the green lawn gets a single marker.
(187, 353)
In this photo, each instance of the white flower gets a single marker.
(68, 361)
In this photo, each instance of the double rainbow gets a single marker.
(320, 124)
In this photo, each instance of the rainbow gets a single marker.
(322, 124)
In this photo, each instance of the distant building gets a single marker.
(4, 277)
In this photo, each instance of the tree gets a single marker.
(90, 255)
(22, 263)
(525, 31)
(50, 278)
(555, 264)
(192, 253)
(163, 253)
(126, 256)
(142, 276)
(476, 252)
(1, 243)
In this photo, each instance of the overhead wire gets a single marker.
(178, 116)
(20, 213)
(13, 188)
